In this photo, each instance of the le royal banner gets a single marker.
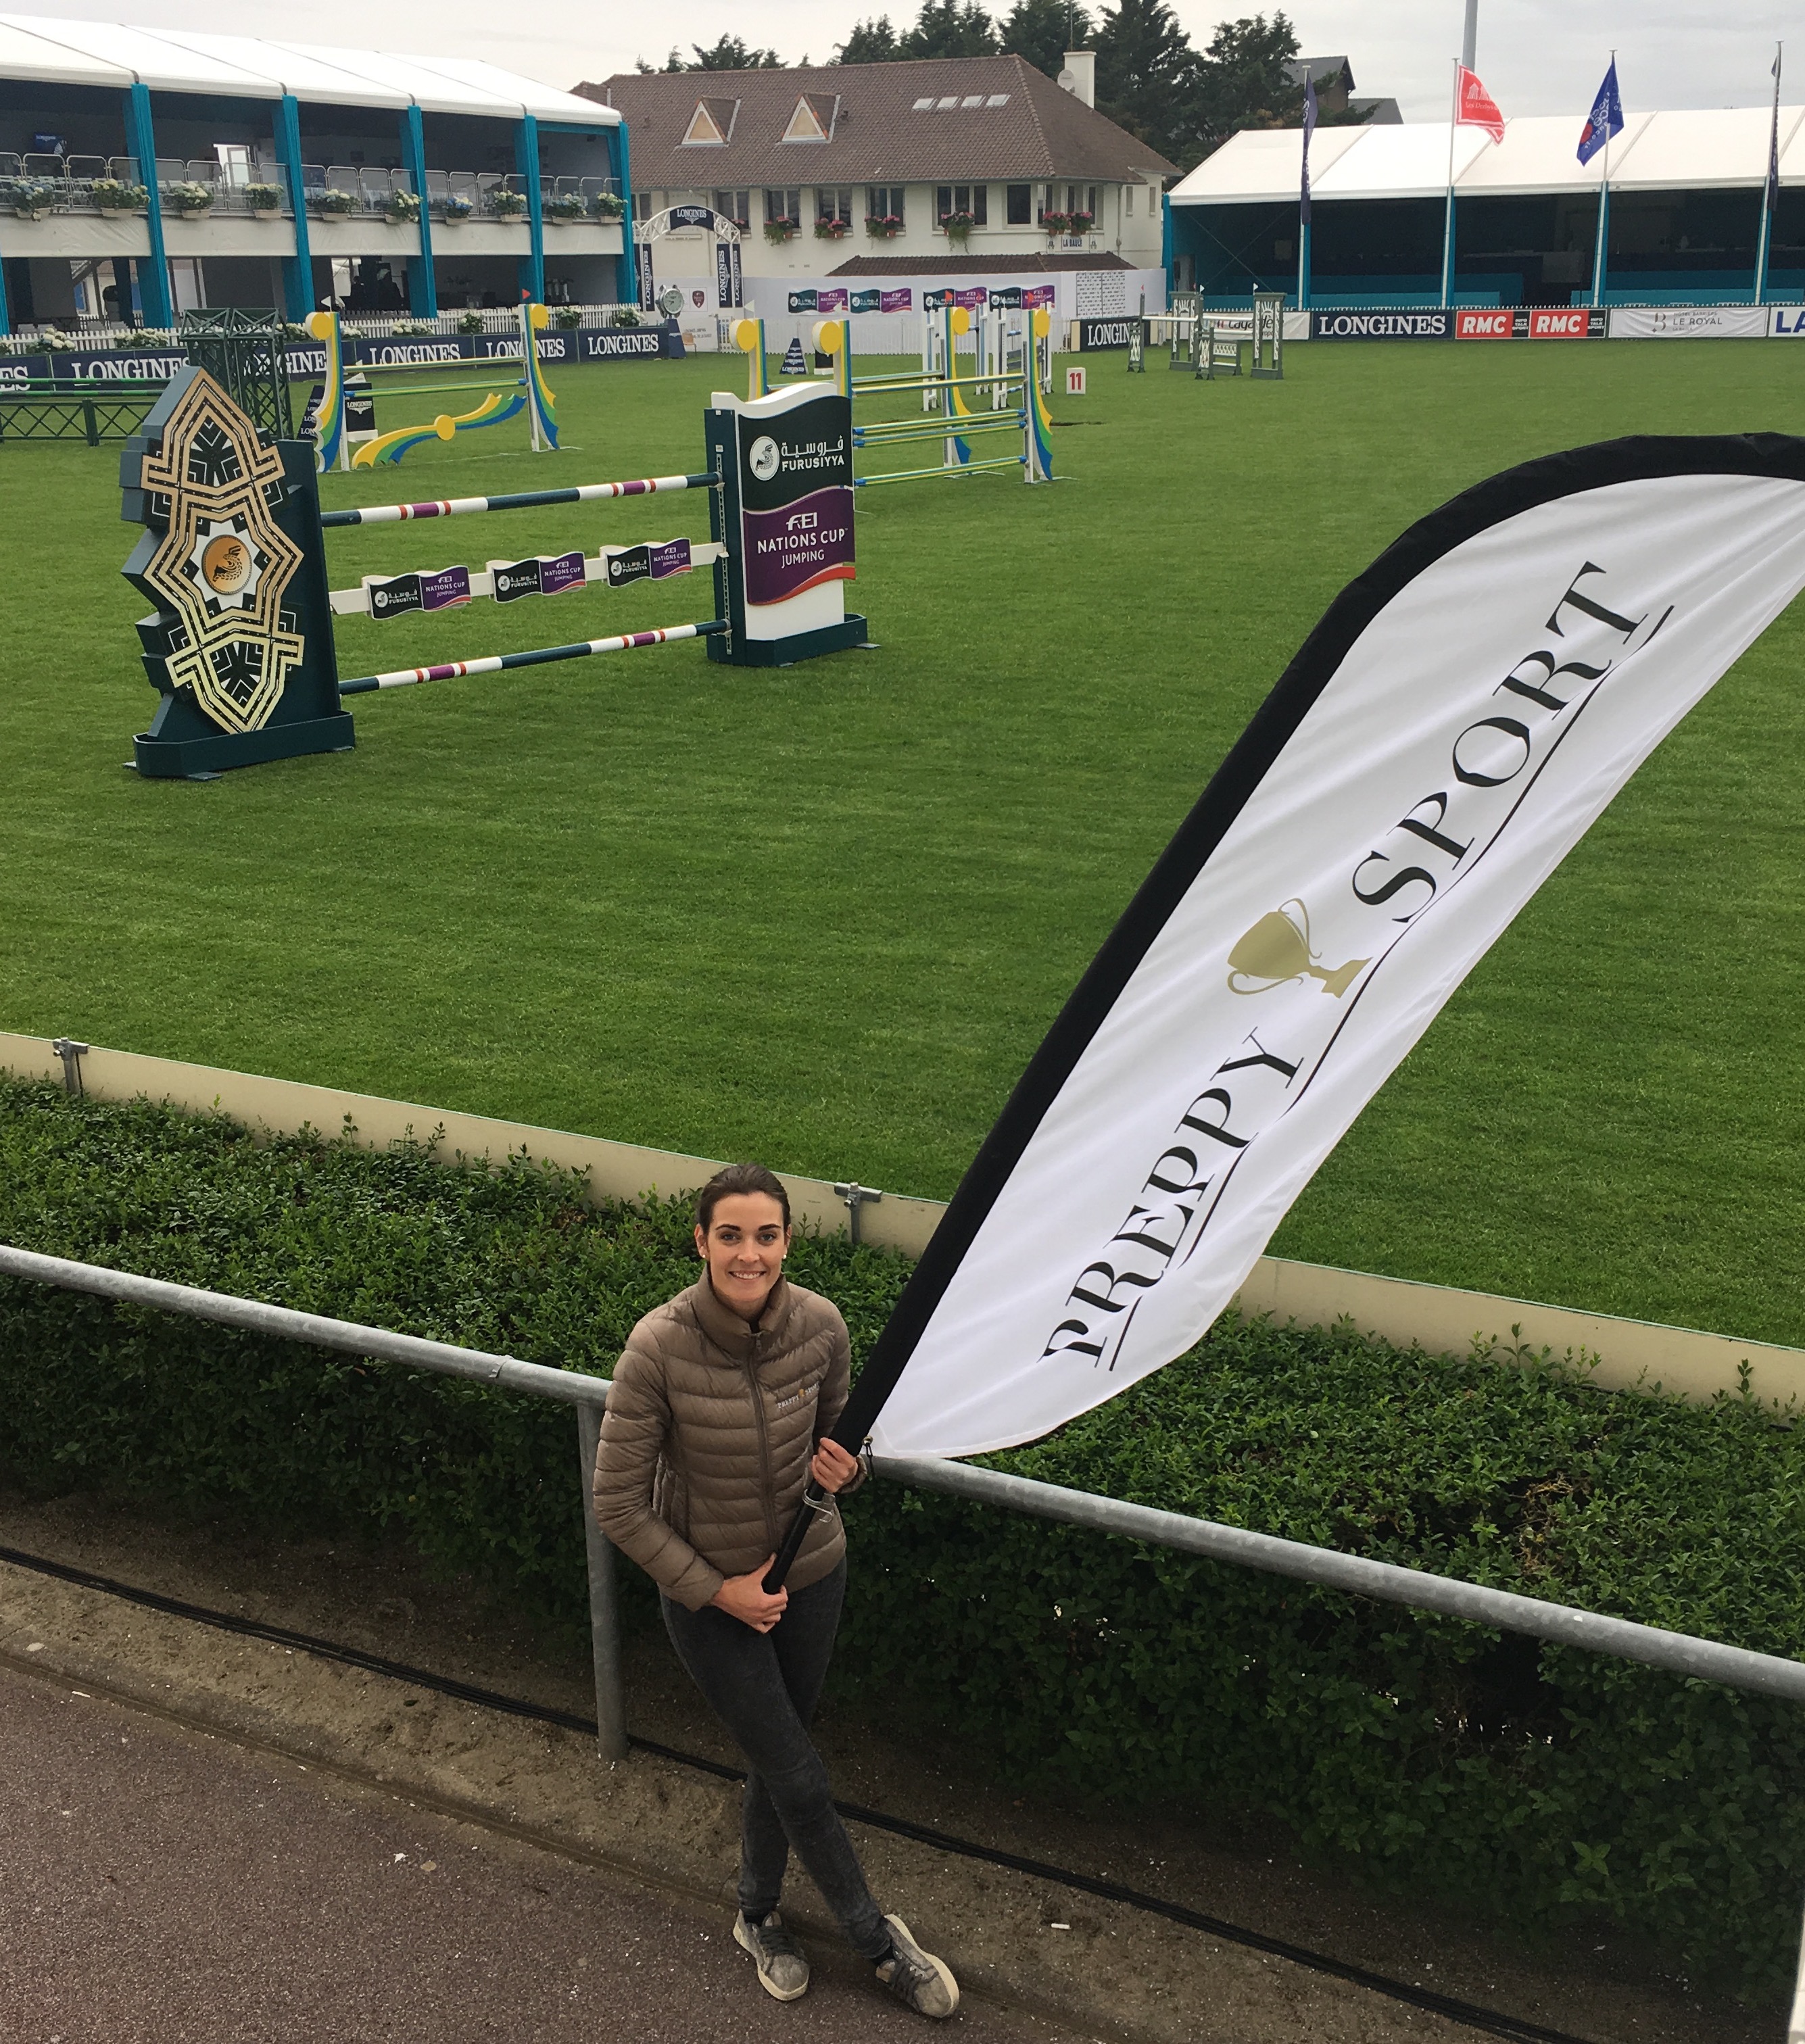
(1464, 711)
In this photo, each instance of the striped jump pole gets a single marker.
(456, 507)
(498, 663)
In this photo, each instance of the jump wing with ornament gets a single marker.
(240, 644)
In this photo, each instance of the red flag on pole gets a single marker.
(1475, 107)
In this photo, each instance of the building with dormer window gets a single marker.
(942, 170)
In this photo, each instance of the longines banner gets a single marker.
(1464, 711)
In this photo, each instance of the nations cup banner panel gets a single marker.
(785, 511)
(1463, 713)
(240, 645)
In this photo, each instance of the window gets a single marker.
(1128, 201)
(736, 206)
(642, 206)
(833, 204)
(786, 205)
(884, 202)
(945, 105)
(972, 199)
(1018, 205)
(997, 99)
(923, 105)
(1082, 198)
(973, 99)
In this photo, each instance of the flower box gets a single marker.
(114, 195)
(190, 197)
(402, 208)
(566, 207)
(832, 230)
(456, 208)
(611, 206)
(337, 204)
(778, 231)
(504, 204)
(957, 228)
(884, 226)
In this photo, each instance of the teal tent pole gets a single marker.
(140, 139)
(1448, 220)
(422, 285)
(526, 161)
(297, 269)
(627, 285)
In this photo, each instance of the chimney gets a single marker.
(1080, 76)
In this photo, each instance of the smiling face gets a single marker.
(744, 1247)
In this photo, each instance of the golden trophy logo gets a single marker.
(1277, 950)
(223, 563)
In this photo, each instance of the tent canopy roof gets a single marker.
(1694, 149)
(47, 50)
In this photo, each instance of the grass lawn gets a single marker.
(822, 917)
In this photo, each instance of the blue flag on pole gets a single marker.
(1606, 118)
(1309, 130)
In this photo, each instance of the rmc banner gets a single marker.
(1461, 715)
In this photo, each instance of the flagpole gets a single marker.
(1448, 224)
(1303, 266)
(1768, 193)
(1601, 253)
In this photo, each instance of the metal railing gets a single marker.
(1708, 1660)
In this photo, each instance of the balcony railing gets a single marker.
(43, 184)
(68, 184)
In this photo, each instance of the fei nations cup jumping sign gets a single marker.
(1462, 714)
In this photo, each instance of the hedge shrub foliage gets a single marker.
(1546, 1782)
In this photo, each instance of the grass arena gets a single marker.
(509, 897)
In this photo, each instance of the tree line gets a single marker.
(1151, 79)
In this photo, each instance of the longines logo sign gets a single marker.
(1463, 713)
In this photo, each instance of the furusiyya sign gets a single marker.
(1463, 713)
(796, 500)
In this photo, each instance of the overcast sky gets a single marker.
(1537, 57)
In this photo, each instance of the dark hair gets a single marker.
(733, 1178)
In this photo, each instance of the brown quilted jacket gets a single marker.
(707, 1434)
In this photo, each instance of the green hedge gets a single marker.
(1545, 1784)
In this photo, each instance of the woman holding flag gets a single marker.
(716, 1420)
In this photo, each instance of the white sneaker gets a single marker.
(917, 1979)
(782, 1971)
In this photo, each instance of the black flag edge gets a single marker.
(1637, 458)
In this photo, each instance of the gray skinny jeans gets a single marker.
(764, 1687)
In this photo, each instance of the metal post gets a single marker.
(604, 1614)
(853, 1197)
(71, 1052)
(1469, 39)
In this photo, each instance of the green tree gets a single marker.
(1147, 77)
(1243, 82)
(730, 53)
(946, 29)
(871, 42)
(1042, 31)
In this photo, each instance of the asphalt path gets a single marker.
(158, 1884)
